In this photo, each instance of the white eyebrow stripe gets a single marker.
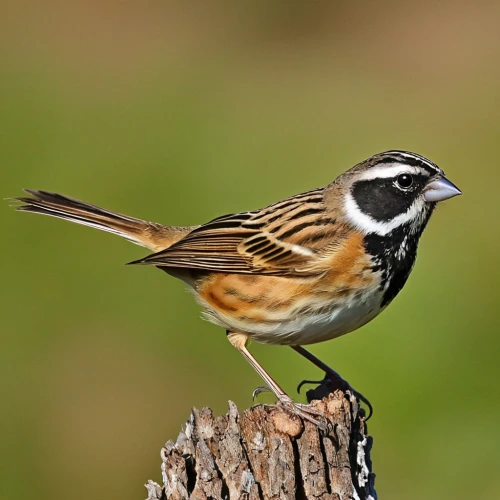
(389, 170)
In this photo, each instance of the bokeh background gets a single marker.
(182, 111)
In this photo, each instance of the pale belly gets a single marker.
(321, 323)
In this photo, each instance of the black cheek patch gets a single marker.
(382, 200)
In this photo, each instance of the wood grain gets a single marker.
(266, 452)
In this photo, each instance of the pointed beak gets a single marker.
(440, 189)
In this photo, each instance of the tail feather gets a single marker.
(147, 234)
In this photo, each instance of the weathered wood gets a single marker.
(268, 452)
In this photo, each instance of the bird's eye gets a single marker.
(404, 181)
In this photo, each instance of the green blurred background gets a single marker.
(180, 112)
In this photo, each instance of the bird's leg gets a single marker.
(239, 340)
(332, 375)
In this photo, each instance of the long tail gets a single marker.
(151, 235)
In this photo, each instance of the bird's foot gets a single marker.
(305, 412)
(333, 383)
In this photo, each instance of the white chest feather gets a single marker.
(324, 324)
(316, 322)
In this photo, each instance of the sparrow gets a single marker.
(303, 270)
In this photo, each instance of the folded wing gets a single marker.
(284, 239)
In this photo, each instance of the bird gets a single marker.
(303, 270)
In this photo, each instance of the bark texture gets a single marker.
(267, 452)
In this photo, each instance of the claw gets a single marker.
(258, 390)
(304, 382)
(360, 396)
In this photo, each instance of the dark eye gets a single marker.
(404, 181)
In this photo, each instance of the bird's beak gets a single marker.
(440, 189)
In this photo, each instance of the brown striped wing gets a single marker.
(282, 239)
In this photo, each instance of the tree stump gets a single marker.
(268, 452)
